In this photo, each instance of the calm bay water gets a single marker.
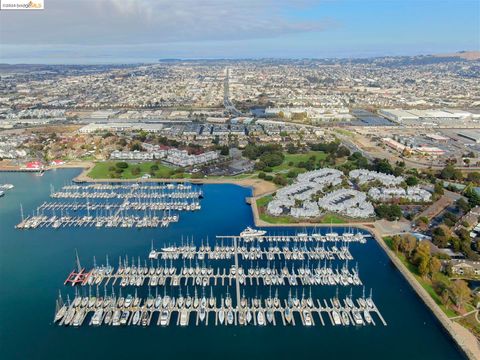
(34, 264)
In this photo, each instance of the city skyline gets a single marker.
(145, 31)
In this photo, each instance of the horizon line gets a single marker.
(151, 62)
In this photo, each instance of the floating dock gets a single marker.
(110, 206)
(295, 262)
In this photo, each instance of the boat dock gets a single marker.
(238, 263)
(110, 206)
(170, 313)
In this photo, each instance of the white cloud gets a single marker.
(108, 22)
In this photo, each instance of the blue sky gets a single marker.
(105, 31)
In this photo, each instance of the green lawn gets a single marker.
(101, 170)
(277, 219)
(298, 158)
(327, 219)
(263, 201)
(333, 219)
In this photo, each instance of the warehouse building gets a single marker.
(470, 135)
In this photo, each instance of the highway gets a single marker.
(226, 97)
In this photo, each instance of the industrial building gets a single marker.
(431, 117)
(470, 135)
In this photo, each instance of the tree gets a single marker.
(396, 240)
(434, 266)
(450, 173)
(474, 177)
(292, 173)
(422, 257)
(412, 180)
(472, 195)
(449, 219)
(463, 205)
(423, 266)
(154, 167)
(259, 165)
(460, 291)
(464, 235)
(272, 159)
(389, 212)
(408, 244)
(280, 180)
(423, 219)
(291, 149)
(136, 146)
(439, 237)
(397, 171)
(383, 166)
(224, 150)
(342, 151)
(438, 188)
(445, 296)
(330, 147)
(107, 135)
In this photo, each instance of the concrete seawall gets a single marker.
(467, 342)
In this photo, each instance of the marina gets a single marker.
(108, 205)
(188, 268)
(37, 263)
(166, 310)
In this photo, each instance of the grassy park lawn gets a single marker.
(333, 219)
(101, 170)
(298, 158)
(263, 201)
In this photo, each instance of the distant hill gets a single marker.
(466, 55)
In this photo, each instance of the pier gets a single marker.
(105, 205)
(260, 314)
(294, 262)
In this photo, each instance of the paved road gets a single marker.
(226, 97)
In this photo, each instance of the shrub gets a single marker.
(292, 174)
(136, 170)
(121, 165)
(280, 180)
